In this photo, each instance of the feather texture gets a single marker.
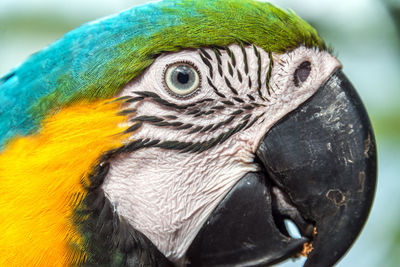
(44, 178)
(96, 60)
(55, 123)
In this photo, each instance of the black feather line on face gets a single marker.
(269, 73)
(227, 102)
(147, 119)
(205, 53)
(228, 83)
(208, 64)
(127, 111)
(230, 69)
(155, 97)
(194, 111)
(217, 55)
(199, 109)
(208, 127)
(134, 127)
(237, 112)
(203, 113)
(232, 56)
(195, 130)
(246, 64)
(185, 126)
(221, 107)
(122, 98)
(251, 97)
(257, 53)
(134, 99)
(239, 76)
(220, 70)
(215, 89)
(172, 117)
(250, 83)
(186, 147)
(237, 99)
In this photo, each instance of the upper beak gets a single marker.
(319, 171)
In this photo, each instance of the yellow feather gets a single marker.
(41, 182)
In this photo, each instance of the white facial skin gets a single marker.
(168, 194)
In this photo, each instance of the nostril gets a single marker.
(302, 72)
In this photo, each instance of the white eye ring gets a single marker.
(182, 79)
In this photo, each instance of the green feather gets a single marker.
(98, 59)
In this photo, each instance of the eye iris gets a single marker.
(182, 79)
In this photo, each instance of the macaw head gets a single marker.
(187, 133)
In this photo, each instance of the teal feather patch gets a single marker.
(97, 59)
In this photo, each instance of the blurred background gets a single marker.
(365, 37)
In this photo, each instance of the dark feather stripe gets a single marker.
(230, 69)
(122, 98)
(232, 56)
(222, 123)
(253, 121)
(205, 53)
(172, 117)
(217, 55)
(228, 83)
(134, 99)
(218, 107)
(246, 117)
(208, 127)
(237, 112)
(134, 127)
(194, 111)
(250, 83)
(127, 111)
(269, 72)
(248, 107)
(246, 66)
(196, 129)
(215, 89)
(161, 101)
(204, 113)
(257, 53)
(240, 78)
(147, 119)
(220, 71)
(208, 64)
(251, 97)
(227, 102)
(185, 126)
(237, 99)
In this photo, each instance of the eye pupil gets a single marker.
(183, 77)
(302, 72)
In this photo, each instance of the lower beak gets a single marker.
(319, 171)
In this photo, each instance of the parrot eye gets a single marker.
(182, 79)
(302, 72)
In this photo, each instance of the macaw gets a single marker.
(183, 133)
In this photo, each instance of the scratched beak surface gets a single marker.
(319, 170)
(327, 166)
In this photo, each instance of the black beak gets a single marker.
(319, 172)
